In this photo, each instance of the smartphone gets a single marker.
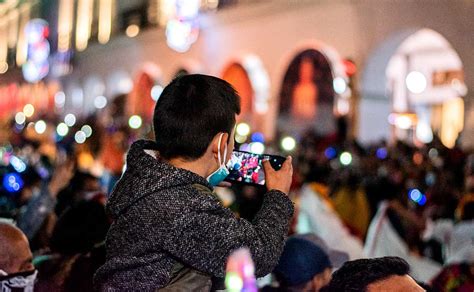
(245, 167)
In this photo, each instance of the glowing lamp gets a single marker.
(288, 143)
(345, 158)
(416, 82)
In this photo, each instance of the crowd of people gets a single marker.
(388, 214)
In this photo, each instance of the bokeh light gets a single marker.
(243, 129)
(62, 129)
(288, 143)
(345, 158)
(80, 137)
(20, 118)
(257, 147)
(100, 102)
(70, 120)
(135, 122)
(12, 182)
(40, 127)
(29, 110)
(87, 130)
(156, 92)
(416, 82)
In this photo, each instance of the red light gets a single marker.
(351, 68)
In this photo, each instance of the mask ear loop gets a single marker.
(219, 149)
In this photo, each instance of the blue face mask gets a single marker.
(222, 172)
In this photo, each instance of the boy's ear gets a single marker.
(215, 142)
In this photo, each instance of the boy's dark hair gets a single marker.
(191, 110)
(357, 275)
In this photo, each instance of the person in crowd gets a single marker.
(77, 249)
(42, 201)
(456, 277)
(168, 225)
(316, 214)
(17, 272)
(305, 265)
(456, 237)
(350, 202)
(389, 274)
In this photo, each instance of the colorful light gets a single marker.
(60, 99)
(330, 153)
(288, 143)
(20, 118)
(381, 153)
(416, 82)
(156, 92)
(17, 164)
(257, 137)
(3, 67)
(12, 182)
(257, 147)
(87, 130)
(83, 24)
(100, 102)
(339, 85)
(135, 122)
(62, 129)
(240, 139)
(105, 20)
(28, 110)
(70, 120)
(345, 158)
(233, 282)
(132, 30)
(37, 65)
(415, 195)
(243, 129)
(40, 127)
(80, 137)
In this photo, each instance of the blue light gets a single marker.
(415, 195)
(12, 182)
(422, 200)
(330, 153)
(381, 153)
(257, 137)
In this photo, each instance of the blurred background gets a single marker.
(374, 100)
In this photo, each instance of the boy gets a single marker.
(169, 229)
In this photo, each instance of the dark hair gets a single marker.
(80, 228)
(191, 110)
(357, 275)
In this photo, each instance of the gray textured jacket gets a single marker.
(161, 219)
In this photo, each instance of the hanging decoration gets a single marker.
(36, 66)
(182, 28)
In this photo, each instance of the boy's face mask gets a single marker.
(18, 282)
(222, 172)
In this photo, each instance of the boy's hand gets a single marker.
(279, 179)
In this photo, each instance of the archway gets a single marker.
(145, 92)
(248, 76)
(307, 94)
(416, 79)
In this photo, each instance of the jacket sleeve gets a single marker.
(205, 239)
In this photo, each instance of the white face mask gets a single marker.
(23, 281)
(222, 172)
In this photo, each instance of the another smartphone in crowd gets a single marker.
(247, 168)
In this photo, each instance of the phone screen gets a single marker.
(246, 167)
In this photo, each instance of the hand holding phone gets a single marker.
(279, 179)
(248, 168)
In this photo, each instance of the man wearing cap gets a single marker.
(305, 264)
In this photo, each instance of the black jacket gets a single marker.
(161, 218)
